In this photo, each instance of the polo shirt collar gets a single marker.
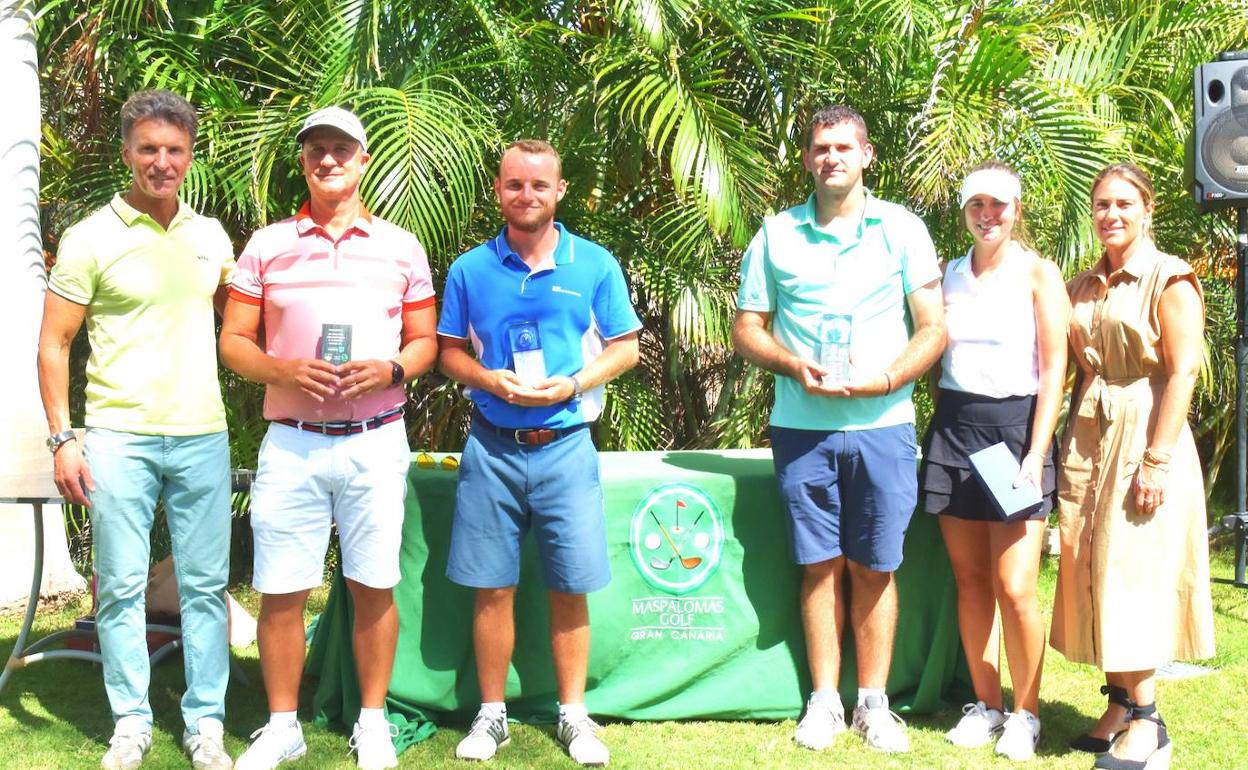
(872, 212)
(130, 215)
(1137, 266)
(563, 249)
(304, 222)
(964, 266)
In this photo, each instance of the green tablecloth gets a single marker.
(713, 632)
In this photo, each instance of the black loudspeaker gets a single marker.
(1220, 159)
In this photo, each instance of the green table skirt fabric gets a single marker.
(700, 619)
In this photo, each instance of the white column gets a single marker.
(25, 465)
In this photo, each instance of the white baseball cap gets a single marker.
(995, 182)
(335, 117)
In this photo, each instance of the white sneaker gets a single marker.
(487, 735)
(374, 746)
(977, 726)
(272, 746)
(883, 730)
(822, 722)
(206, 748)
(130, 741)
(580, 738)
(1021, 734)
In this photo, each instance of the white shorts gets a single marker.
(305, 481)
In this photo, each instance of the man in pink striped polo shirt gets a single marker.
(346, 303)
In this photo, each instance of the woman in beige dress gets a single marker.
(1133, 583)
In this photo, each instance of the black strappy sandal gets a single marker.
(1091, 743)
(1158, 760)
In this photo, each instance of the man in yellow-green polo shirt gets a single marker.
(144, 272)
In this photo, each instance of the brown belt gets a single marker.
(527, 436)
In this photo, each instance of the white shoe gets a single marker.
(822, 722)
(977, 726)
(1021, 734)
(487, 735)
(374, 746)
(206, 748)
(272, 746)
(882, 729)
(131, 740)
(580, 738)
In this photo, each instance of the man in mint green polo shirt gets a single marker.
(840, 298)
(144, 272)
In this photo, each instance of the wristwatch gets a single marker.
(396, 373)
(576, 388)
(57, 439)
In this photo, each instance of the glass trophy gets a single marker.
(336, 343)
(526, 352)
(832, 351)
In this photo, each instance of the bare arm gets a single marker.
(753, 340)
(219, 297)
(61, 321)
(755, 343)
(927, 310)
(457, 362)
(419, 351)
(1052, 311)
(1182, 330)
(620, 355)
(241, 352)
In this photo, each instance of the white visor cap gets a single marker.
(335, 117)
(994, 182)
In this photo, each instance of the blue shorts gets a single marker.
(506, 488)
(848, 493)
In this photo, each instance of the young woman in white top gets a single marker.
(1001, 378)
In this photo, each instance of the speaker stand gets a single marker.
(1238, 521)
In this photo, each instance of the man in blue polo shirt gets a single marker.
(534, 322)
(840, 298)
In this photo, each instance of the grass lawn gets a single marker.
(55, 715)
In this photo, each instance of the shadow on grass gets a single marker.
(66, 698)
(1061, 723)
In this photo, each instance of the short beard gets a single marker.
(528, 227)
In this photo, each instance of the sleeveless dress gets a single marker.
(1132, 589)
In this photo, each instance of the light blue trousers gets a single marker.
(192, 474)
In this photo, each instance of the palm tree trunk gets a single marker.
(23, 282)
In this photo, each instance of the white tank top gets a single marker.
(992, 328)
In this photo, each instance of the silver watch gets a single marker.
(576, 388)
(57, 439)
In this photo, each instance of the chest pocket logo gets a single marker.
(556, 289)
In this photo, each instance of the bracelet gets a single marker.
(1035, 452)
(888, 389)
(1157, 460)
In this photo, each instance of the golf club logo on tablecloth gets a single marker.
(676, 538)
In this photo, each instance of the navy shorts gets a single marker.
(848, 492)
(505, 489)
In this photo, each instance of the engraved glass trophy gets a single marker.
(526, 352)
(832, 351)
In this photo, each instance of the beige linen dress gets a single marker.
(1132, 589)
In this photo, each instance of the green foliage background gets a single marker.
(681, 124)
